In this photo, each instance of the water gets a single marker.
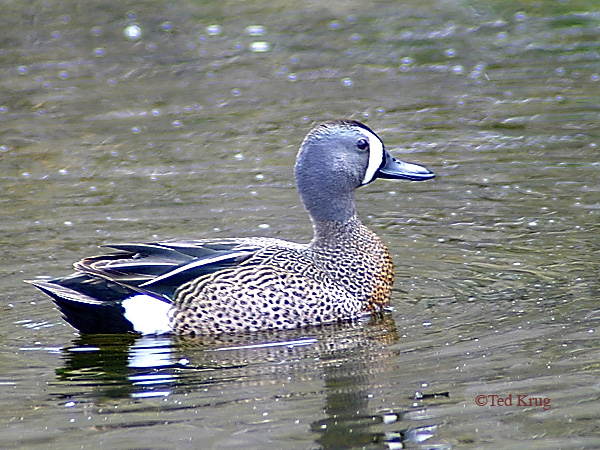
(152, 121)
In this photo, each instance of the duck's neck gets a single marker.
(327, 201)
(332, 234)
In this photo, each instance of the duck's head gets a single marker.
(335, 159)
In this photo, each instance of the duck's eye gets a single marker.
(362, 144)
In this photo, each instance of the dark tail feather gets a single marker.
(87, 314)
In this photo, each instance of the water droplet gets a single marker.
(23, 70)
(255, 30)
(133, 32)
(260, 46)
(450, 52)
(347, 82)
(166, 26)
(390, 418)
(98, 52)
(213, 30)
(520, 16)
(475, 74)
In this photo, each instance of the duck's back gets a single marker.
(286, 285)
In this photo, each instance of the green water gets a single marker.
(188, 125)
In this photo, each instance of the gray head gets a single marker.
(335, 159)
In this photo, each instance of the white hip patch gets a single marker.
(148, 315)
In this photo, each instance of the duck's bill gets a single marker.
(400, 170)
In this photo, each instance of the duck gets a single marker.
(210, 287)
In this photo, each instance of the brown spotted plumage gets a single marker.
(209, 287)
(283, 286)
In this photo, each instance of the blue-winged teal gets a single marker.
(228, 285)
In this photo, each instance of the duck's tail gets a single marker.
(121, 310)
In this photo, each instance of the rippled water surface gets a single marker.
(139, 121)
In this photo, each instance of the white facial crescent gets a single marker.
(375, 156)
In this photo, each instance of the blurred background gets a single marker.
(138, 121)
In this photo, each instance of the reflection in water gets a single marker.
(359, 431)
(151, 363)
(99, 363)
(120, 366)
(188, 133)
(348, 383)
(350, 356)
